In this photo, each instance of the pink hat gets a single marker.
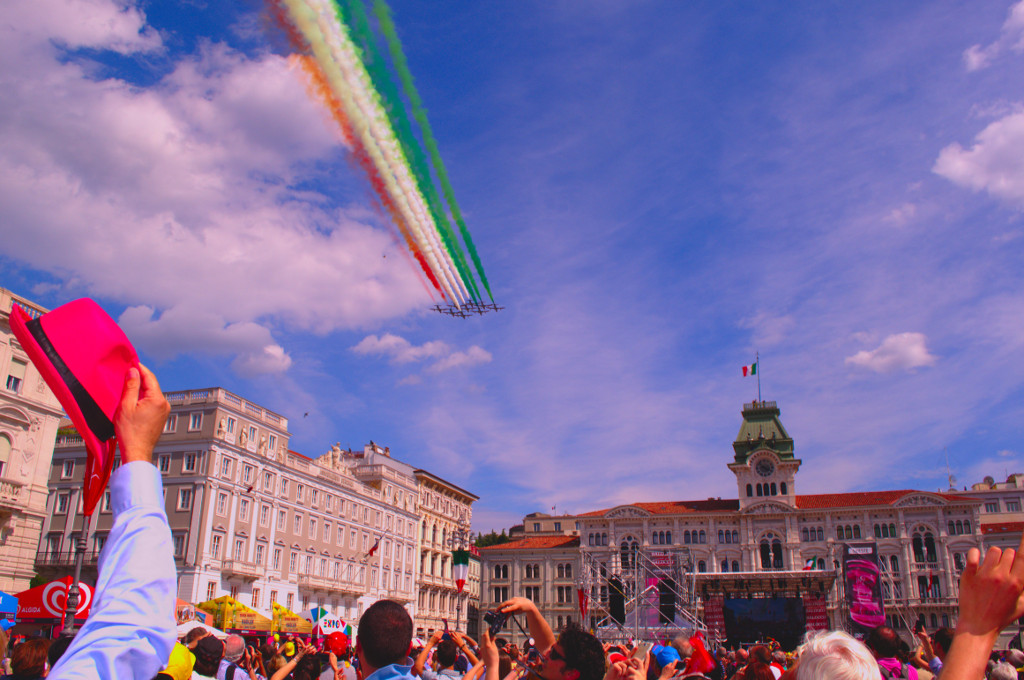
(83, 356)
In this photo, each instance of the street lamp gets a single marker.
(458, 540)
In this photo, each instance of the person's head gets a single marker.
(194, 636)
(883, 642)
(835, 656)
(721, 652)
(760, 654)
(779, 657)
(683, 646)
(208, 651)
(742, 656)
(446, 652)
(308, 668)
(29, 658)
(1003, 671)
(234, 647)
(757, 670)
(941, 640)
(385, 636)
(57, 649)
(576, 655)
(504, 664)
(1015, 657)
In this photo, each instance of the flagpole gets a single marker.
(757, 362)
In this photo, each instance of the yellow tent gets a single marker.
(231, 615)
(287, 621)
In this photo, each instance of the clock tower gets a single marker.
(764, 465)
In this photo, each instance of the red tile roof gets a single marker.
(537, 543)
(805, 502)
(1002, 528)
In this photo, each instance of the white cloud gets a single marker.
(181, 329)
(471, 357)
(994, 164)
(769, 330)
(178, 196)
(398, 349)
(1010, 37)
(901, 351)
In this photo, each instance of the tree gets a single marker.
(492, 538)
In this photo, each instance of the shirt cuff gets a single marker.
(136, 484)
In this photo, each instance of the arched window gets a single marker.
(766, 555)
(918, 545)
(952, 528)
(782, 487)
(821, 534)
(721, 538)
(568, 570)
(894, 562)
(929, 548)
(497, 571)
(803, 534)
(604, 539)
(878, 531)
(735, 565)
(959, 527)
(856, 531)
(668, 538)
(777, 554)
(433, 536)
(750, 490)
(703, 536)
(760, 490)
(590, 539)
(702, 566)
(885, 531)
(839, 533)
(934, 620)
(728, 536)
(967, 526)
(686, 537)
(735, 536)
(561, 571)
(775, 491)
(423, 533)
(654, 538)
(821, 563)
(725, 566)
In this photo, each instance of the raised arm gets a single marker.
(130, 630)
(421, 660)
(540, 631)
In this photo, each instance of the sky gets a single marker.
(659, 191)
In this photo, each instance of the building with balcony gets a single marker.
(252, 519)
(768, 542)
(446, 512)
(29, 418)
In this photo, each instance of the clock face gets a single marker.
(764, 467)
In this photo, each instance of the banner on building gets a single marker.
(862, 583)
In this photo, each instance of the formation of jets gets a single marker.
(467, 309)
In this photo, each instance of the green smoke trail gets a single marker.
(387, 27)
(353, 14)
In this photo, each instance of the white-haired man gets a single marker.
(835, 656)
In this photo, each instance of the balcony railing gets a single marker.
(310, 582)
(10, 493)
(65, 559)
(246, 570)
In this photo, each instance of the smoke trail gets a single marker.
(354, 15)
(402, 68)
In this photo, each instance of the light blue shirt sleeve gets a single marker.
(130, 629)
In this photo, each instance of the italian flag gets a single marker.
(460, 567)
(750, 370)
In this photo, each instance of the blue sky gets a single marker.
(658, 190)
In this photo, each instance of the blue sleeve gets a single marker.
(130, 629)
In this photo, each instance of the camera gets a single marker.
(496, 620)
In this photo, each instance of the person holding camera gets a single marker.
(574, 655)
(448, 645)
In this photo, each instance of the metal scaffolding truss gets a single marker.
(654, 582)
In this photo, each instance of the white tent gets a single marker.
(183, 628)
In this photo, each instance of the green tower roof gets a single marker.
(762, 429)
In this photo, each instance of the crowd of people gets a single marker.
(131, 632)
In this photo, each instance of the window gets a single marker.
(16, 375)
(315, 495)
(291, 561)
(239, 549)
(243, 510)
(222, 503)
(750, 490)
(558, 526)
(284, 487)
(184, 499)
(225, 467)
(282, 518)
(268, 481)
(260, 550)
(252, 434)
(188, 464)
(67, 470)
(276, 564)
(211, 590)
(264, 515)
(255, 597)
(105, 507)
(297, 527)
(300, 492)
(179, 545)
(327, 532)
(164, 463)
(992, 506)
(1013, 506)
(312, 528)
(289, 601)
(215, 546)
(272, 442)
(247, 473)
(352, 539)
(231, 424)
(99, 540)
(536, 526)
(172, 423)
(195, 422)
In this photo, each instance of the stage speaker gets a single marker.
(617, 600)
(666, 600)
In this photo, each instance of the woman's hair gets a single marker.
(308, 668)
(835, 656)
(29, 658)
(504, 664)
(757, 670)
